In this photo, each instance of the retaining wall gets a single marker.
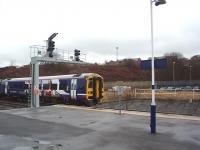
(163, 106)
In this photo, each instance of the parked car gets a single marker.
(170, 88)
(178, 88)
(187, 88)
(196, 88)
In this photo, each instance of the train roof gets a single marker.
(83, 75)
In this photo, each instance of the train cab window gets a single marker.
(54, 86)
(90, 84)
(101, 84)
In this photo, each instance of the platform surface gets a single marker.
(68, 128)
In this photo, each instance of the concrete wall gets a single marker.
(163, 106)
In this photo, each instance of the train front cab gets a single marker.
(95, 89)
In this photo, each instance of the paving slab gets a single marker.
(78, 128)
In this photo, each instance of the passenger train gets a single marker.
(84, 88)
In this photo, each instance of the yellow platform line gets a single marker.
(146, 114)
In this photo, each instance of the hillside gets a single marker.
(125, 70)
(182, 68)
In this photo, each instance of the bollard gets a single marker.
(119, 100)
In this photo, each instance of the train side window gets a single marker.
(10, 85)
(26, 86)
(62, 86)
(17, 86)
(45, 86)
(21, 86)
(54, 86)
(14, 86)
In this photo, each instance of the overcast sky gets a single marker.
(97, 27)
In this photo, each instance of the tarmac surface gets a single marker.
(78, 128)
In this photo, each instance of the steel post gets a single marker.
(35, 102)
(153, 103)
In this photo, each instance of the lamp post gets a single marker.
(173, 73)
(153, 102)
(190, 74)
(117, 53)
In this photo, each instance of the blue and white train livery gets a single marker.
(85, 87)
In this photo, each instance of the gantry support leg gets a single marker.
(35, 101)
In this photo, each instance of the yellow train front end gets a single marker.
(94, 88)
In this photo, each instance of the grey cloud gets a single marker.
(108, 47)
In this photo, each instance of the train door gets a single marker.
(97, 88)
(101, 88)
(90, 87)
(73, 88)
(94, 88)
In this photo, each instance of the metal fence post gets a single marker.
(119, 100)
(135, 93)
(193, 94)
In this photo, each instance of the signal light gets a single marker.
(77, 54)
(51, 47)
(160, 2)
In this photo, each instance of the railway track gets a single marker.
(12, 103)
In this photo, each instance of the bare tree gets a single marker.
(178, 55)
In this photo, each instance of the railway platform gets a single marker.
(62, 127)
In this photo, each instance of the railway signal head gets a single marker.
(51, 44)
(50, 47)
(77, 54)
(159, 2)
